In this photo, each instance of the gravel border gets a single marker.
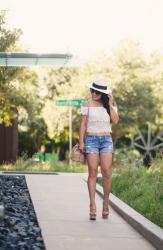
(19, 226)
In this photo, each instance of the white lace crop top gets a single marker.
(98, 119)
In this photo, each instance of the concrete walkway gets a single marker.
(61, 203)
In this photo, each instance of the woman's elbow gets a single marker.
(83, 125)
(115, 121)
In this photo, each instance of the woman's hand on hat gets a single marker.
(111, 99)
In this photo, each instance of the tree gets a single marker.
(19, 90)
(134, 88)
(134, 84)
(8, 42)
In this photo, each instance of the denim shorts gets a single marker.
(98, 144)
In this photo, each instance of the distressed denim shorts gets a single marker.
(98, 144)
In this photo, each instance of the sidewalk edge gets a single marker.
(152, 232)
(148, 229)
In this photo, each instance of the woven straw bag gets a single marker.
(77, 155)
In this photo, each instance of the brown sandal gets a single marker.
(105, 211)
(92, 213)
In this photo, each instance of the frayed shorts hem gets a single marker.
(91, 152)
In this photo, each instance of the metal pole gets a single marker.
(70, 133)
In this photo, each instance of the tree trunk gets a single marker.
(9, 142)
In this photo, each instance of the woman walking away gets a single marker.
(97, 116)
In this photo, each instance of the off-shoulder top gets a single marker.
(98, 119)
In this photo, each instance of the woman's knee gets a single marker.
(106, 173)
(93, 173)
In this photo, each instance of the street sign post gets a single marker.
(70, 104)
(75, 102)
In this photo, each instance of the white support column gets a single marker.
(70, 134)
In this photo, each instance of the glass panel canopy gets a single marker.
(30, 59)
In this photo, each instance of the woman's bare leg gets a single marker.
(106, 161)
(92, 160)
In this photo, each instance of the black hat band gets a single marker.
(98, 86)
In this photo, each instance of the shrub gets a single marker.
(142, 189)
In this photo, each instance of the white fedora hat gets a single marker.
(100, 84)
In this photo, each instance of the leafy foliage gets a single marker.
(136, 81)
(142, 190)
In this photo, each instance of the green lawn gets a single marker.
(28, 165)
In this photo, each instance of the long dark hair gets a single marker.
(105, 103)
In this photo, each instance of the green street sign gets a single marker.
(75, 102)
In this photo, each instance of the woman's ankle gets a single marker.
(106, 199)
(93, 204)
